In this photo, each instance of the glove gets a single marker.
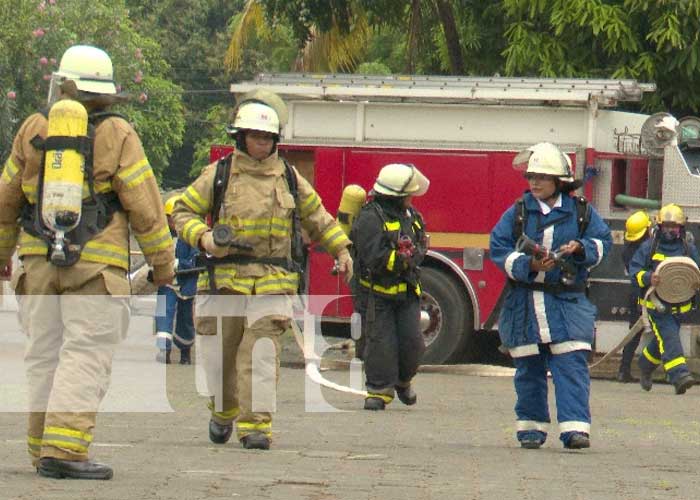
(163, 274)
(207, 243)
(405, 249)
(345, 264)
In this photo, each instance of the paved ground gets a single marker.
(457, 443)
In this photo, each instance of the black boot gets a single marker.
(684, 383)
(578, 441)
(374, 404)
(163, 356)
(624, 376)
(59, 469)
(645, 380)
(185, 356)
(256, 441)
(219, 434)
(406, 395)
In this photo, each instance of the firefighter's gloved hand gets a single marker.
(405, 249)
(163, 274)
(207, 243)
(345, 264)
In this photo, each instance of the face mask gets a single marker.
(670, 233)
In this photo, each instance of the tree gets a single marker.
(650, 41)
(34, 35)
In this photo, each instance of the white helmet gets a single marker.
(544, 158)
(89, 67)
(400, 179)
(256, 116)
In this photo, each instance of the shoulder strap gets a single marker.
(223, 170)
(292, 180)
(583, 214)
(520, 219)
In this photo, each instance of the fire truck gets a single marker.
(462, 133)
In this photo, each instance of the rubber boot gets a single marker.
(60, 469)
(684, 383)
(255, 441)
(185, 358)
(406, 395)
(374, 404)
(218, 433)
(578, 441)
(645, 380)
(163, 357)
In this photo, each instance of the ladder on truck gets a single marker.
(567, 91)
(492, 113)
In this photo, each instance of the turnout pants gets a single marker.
(394, 344)
(73, 327)
(178, 313)
(571, 388)
(665, 347)
(241, 358)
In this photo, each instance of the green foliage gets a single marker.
(215, 133)
(34, 36)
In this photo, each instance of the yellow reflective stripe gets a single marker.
(224, 415)
(383, 397)
(193, 230)
(310, 205)
(155, 241)
(658, 256)
(67, 444)
(103, 186)
(651, 358)
(192, 199)
(334, 239)
(34, 445)
(106, 253)
(657, 334)
(30, 245)
(63, 431)
(29, 191)
(393, 290)
(683, 308)
(277, 283)
(392, 226)
(8, 237)
(226, 278)
(417, 224)
(392, 260)
(135, 174)
(680, 360)
(245, 428)
(9, 172)
(640, 278)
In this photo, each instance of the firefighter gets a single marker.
(665, 347)
(546, 322)
(636, 232)
(178, 300)
(72, 324)
(260, 199)
(389, 243)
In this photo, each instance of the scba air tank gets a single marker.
(351, 202)
(64, 167)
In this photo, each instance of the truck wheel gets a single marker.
(446, 318)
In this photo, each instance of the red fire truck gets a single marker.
(463, 132)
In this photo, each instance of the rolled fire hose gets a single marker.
(679, 282)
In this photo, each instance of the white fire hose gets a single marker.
(679, 282)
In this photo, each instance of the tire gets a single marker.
(446, 318)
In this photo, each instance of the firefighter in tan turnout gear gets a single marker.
(261, 200)
(72, 285)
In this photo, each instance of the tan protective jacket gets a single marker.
(258, 206)
(119, 165)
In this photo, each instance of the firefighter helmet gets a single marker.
(637, 225)
(671, 213)
(89, 67)
(256, 116)
(544, 158)
(170, 204)
(400, 179)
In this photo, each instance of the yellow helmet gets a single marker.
(170, 205)
(637, 225)
(671, 213)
